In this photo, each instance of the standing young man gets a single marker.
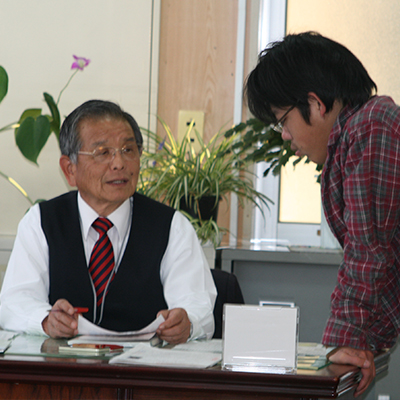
(322, 100)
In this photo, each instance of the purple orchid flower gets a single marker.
(80, 63)
(162, 143)
(160, 147)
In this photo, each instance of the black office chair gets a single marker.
(229, 291)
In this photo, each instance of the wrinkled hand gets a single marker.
(62, 321)
(176, 327)
(360, 358)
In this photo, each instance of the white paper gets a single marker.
(312, 349)
(209, 346)
(87, 328)
(164, 357)
(27, 344)
(5, 339)
(107, 340)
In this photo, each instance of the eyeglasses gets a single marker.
(105, 155)
(278, 127)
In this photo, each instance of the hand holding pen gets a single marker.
(62, 321)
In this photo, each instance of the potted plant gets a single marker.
(261, 142)
(174, 173)
(34, 128)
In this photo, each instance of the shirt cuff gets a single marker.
(35, 322)
(200, 330)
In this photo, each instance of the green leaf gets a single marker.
(56, 122)
(3, 83)
(30, 112)
(32, 135)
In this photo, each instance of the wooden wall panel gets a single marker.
(197, 65)
(197, 61)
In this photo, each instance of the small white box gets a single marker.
(260, 338)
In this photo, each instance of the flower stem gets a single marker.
(62, 90)
(17, 186)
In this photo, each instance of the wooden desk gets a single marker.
(35, 377)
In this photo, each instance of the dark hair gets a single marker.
(70, 142)
(302, 63)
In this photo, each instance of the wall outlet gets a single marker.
(184, 120)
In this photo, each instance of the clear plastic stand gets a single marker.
(260, 338)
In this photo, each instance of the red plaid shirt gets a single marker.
(361, 198)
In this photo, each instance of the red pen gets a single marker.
(77, 310)
(81, 310)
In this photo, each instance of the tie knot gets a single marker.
(102, 225)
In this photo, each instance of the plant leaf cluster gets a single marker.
(3, 83)
(34, 128)
(207, 230)
(262, 143)
(175, 170)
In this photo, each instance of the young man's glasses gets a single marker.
(107, 154)
(278, 127)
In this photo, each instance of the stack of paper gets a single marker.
(312, 356)
(91, 333)
(165, 357)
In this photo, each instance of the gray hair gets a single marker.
(70, 141)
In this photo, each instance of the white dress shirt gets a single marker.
(184, 272)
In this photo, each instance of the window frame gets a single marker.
(272, 27)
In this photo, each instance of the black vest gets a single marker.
(136, 293)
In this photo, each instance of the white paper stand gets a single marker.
(260, 338)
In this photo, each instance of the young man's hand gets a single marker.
(360, 358)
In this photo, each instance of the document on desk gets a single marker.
(209, 346)
(5, 339)
(91, 333)
(166, 357)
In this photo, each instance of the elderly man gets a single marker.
(122, 255)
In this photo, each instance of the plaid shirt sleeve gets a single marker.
(361, 196)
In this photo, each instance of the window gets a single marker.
(296, 214)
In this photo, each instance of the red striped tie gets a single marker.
(101, 262)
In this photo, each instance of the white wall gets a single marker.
(38, 39)
(370, 29)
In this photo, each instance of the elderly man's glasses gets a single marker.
(106, 154)
(278, 127)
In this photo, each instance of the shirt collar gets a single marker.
(344, 115)
(119, 217)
